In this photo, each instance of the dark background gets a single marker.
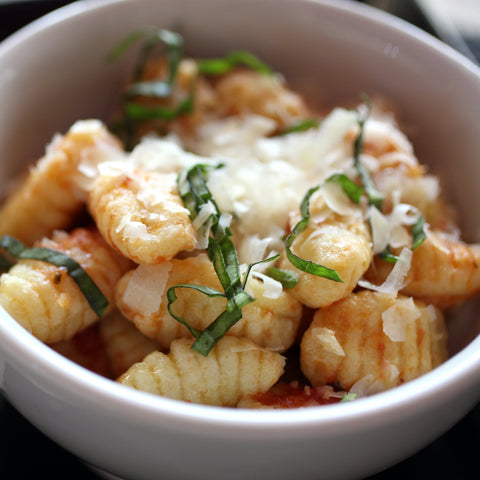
(25, 453)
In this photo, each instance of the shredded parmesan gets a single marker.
(367, 385)
(146, 286)
(328, 341)
(397, 317)
(394, 282)
(337, 200)
(390, 229)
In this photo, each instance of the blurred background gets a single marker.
(25, 453)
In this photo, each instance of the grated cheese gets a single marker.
(394, 282)
(398, 317)
(146, 286)
(327, 339)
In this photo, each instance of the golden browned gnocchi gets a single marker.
(269, 322)
(444, 270)
(54, 192)
(375, 338)
(242, 250)
(235, 367)
(46, 301)
(343, 244)
(141, 216)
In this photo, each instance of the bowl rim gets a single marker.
(49, 366)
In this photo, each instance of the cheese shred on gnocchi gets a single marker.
(248, 249)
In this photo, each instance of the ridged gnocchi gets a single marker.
(234, 368)
(141, 215)
(53, 194)
(269, 322)
(444, 271)
(374, 337)
(46, 301)
(342, 244)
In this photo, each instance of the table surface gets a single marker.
(25, 453)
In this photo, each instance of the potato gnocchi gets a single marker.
(252, 252)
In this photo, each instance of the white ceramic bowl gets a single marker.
(53, 72)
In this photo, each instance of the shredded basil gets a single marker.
(374, 196)
(307, 265)
(137, 112)
(134, 112)
(172, 297)
(348, 397)
(91, 292)
(418, 232)
(301, 126)
(418, 237)
(287, 278)
(193, 189)
(152, 37)
(220, 66)
(387, 255)
(353, 191)
(247, 273)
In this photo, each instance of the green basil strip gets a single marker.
(352, 190)
(137, 112)
(134, 112)
(418, 232)
(222, 324)
(127, 42)
(301, 126)
(220, 66)
(172, 297)
(348, 397)
(225, 262)
(251, 265)
(216, 330)
(418, 237)
(152, 36)
(13, 246)
(287, 278)
(91, 292)
(194, 192)
(307, 265)
(387, 255)
(374, 196)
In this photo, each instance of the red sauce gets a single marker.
(295, 395)
(90, 351)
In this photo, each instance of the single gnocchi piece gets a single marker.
(234, 368)
(141, 215)
(412, 186)
(54, 192)
(373, 340)
(444, 271)
(123, 343)
(247, 91)
(271, 323)
(46, 301)
(340, 243)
